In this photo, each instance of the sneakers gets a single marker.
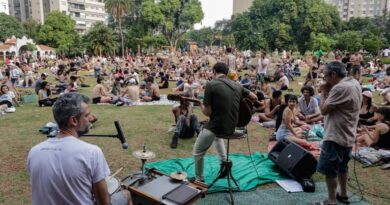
(120, 103)
(172, 129)
(174, 141)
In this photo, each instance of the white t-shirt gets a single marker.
(386, 52)
(262, 66)
(286, 82)
(190, 88)
(62, 171)
(15, 73)
(231, 61)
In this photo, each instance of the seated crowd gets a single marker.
(135, 80)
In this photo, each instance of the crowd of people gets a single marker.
(333, 95)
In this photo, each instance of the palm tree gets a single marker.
(118, 9)
(100, 39)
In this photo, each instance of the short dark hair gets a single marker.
(287, 97)
(337, 67)
(293, 98)
(99, 79)
(149, 79)
(221, 68)
(276, 93)
(308, 88)
(228, 49)
(355, 69)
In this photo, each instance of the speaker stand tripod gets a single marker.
(226, 172)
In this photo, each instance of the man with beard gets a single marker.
(66, 170)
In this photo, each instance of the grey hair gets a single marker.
(66, 106)
(337, 67)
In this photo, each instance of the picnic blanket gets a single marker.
(163, 101)
(313, 147)
(369, 156)
(243, 170)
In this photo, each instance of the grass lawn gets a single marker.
(140, 124)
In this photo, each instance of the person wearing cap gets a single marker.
(367, 110)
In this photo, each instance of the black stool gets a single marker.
(226, 165)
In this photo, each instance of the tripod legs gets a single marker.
(226, 172)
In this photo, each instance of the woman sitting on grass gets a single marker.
(380, 136)
(44, 95)
(286, 129)
(6, 99)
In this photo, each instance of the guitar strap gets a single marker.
(227, 82)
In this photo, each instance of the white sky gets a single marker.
(215, 10)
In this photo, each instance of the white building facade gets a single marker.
(4, 7)
(84, 12)
(360, 8)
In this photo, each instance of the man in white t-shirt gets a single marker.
(386, 52)
(262, 67)
(66, 170)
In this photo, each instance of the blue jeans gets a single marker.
(187, 131)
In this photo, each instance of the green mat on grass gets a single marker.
(273, 196)
(243, 170)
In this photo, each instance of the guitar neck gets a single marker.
(191, 100)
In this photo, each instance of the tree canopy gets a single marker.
(284, 24)
(100, 39)
(173, 18)
(10, 26)
(59, 32)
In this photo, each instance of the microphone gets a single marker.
(120, 135)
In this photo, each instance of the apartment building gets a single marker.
(240, 6)
(360, 8)
(4, 8)
(20, 9)
(84, 12)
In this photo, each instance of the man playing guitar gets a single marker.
(221, 104)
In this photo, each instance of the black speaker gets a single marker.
(294, 160)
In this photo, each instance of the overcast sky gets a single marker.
(215, 10)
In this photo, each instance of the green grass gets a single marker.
(141, 124)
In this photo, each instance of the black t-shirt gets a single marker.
(164, 82)
(225, 105)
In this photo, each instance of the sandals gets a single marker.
(322, 203)
(342, 199)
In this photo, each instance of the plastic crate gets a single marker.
(30, 98)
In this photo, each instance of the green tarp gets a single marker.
(243, 170)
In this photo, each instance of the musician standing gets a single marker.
(66, 170)
(221, 104)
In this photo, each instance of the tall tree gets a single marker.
(118, 9)
(10, 26)
(286, 24)
(173, 18)
(100, 39)
(31, 27)
(349, 41)
(59, 32)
